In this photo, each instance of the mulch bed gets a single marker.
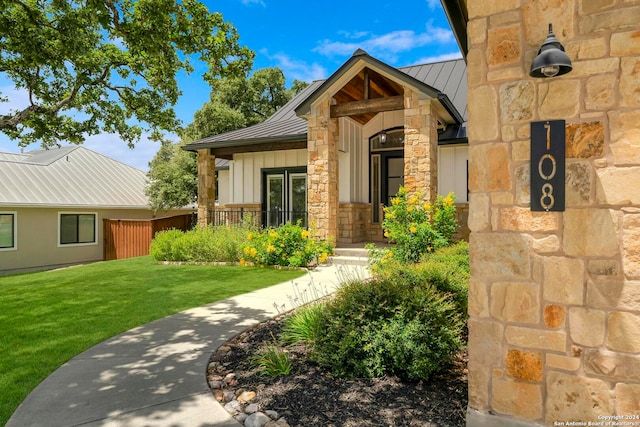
(310, 397)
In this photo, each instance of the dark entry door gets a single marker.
(387, 176)
(394, 178)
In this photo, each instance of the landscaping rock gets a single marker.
(251, 409)
(257, 419)
(246, 396)
(234, 407)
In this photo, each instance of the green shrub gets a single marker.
(419, 228)
(388, 325)
(303, 327)
(272, 361)
(446, 269)
(288, 245)
(201, 244)
(406, 321)
(162, 247)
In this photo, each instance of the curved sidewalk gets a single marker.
(154, 375)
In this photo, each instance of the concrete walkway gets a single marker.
(154, 375)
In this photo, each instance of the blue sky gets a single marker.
(307, 40)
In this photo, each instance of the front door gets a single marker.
(387, 169)
(394, 178)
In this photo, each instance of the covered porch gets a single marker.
(335, 155)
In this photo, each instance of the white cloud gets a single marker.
(112, 146)
(354, 35)
(250, 2)
(434, 4)
(297, 69)
(388, 46)
(438, 58)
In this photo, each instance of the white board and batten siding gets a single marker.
(453, 171)
(353, 163)
(223, 187)
(246, 172)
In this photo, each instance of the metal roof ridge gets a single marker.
(422, 64)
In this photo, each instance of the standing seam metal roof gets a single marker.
(70, 177)
(448, 77)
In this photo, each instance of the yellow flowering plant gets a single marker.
(418, 228)
(289, 245)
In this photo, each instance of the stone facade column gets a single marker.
(421, 145)
(322, 172)
(206, 187)
(554, 297)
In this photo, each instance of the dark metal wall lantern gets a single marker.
(551, 60)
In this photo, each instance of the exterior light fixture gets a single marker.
(552, 60)
(382, 136)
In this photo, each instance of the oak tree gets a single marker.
(93, 66)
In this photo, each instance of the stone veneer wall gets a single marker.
(206, 186)
(554, 298)
(354, 224)
(322, 171)
(420, 147)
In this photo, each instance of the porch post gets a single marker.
(322, 171)
(421, 146)
(206, 187)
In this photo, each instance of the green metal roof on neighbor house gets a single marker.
(70, 177)
(446, 80)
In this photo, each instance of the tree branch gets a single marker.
(11, 122)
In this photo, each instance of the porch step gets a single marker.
(350, 256)
(349, 260)
(354, 252)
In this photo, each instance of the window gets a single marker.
(284, 196)
(77, 228)
(8, 231)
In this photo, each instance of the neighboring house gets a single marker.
(336, 153)
(52, 203)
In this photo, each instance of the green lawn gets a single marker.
(46, 318)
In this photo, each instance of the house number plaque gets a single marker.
(547, 165)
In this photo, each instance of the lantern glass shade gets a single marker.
(382, 137)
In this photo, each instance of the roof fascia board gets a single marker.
(457, 16)
(243, 142)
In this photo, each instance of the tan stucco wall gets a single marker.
(37, 237)
(554, 298)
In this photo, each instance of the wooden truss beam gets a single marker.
(367, 106)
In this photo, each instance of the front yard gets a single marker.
(46, 318)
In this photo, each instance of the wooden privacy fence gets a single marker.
(128, 238)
